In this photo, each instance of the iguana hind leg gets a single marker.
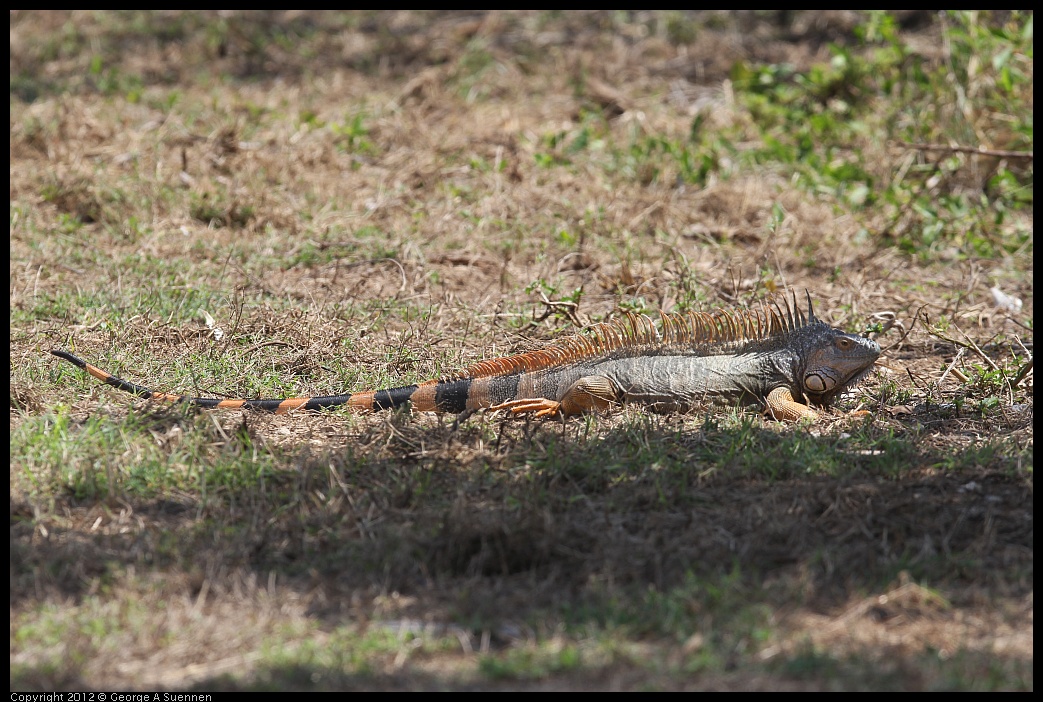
(592, 393)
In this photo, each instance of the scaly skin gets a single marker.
(773, 356)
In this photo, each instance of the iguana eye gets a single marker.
(843, 343)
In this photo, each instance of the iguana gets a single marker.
(773, 355)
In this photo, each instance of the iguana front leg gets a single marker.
(592, 393)
(782, 406)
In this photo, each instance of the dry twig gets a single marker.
(999, 153)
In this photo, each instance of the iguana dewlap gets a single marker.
(775, 356)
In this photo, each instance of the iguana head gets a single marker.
(833, 361)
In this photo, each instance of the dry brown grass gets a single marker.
(168, 164)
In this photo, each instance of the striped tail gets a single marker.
(429, 396)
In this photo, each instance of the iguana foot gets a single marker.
(541, 407)
(782, 406)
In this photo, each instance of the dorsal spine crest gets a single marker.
(719, 331)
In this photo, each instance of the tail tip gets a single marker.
(68, 357)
